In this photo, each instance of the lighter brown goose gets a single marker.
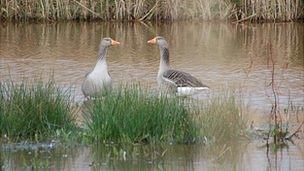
(99, 78)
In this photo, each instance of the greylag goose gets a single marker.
(184, 83)
(99, 77)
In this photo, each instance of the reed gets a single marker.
(268, 10)
(240, 10)
(34, 111)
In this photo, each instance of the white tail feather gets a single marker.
(187, 91)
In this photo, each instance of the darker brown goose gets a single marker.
(171, 76)
(182, 79)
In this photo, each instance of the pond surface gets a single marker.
(219, 54)
(239, 156)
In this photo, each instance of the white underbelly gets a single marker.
(93, 84)
(187, 91)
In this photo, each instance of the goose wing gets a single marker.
(182, 79)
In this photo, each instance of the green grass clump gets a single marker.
(126, 115)
(221, 118)
(132, 115)
(34, 111)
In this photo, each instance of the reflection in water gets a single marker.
(216, 53)
(239, 156)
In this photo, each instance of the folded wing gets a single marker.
(182, 79)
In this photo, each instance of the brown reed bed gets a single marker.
(236, 10)
(268, 10)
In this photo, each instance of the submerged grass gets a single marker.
(132, 115)
(34, 111)
(221, 119)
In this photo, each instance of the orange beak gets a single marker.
(113, 42)
(152, 41)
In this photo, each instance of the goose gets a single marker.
(99, 78)
(182, 82)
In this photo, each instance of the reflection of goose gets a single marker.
(184, 83)
(99, 78)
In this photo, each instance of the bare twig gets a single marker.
(295, 132)
(87, 8)
(148, 13)
(245, 19)
(225, 149)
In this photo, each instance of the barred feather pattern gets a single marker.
(182, 79)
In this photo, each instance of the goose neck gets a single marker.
(102, 53)
(164, 58)
(101, 63)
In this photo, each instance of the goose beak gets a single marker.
(152, 41)
(113, 42)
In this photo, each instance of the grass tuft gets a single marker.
(132, 115)
(34, 111)
(221, 119)
(125, 115)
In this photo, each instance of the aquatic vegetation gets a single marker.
(221, 119)
(279, 132)
(125, 115)
(240, 10)
(34, 110)
(132, 115)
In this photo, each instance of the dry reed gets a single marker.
(238, 10)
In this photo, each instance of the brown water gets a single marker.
(219, 54)
(239, 156)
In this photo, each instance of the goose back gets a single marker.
(182, 79)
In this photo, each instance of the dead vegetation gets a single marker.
(236, 10)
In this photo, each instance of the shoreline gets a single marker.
(155, 10)
(33, 21)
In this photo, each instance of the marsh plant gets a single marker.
(240, 10)
(34, 110)
(222, 118)
(133, 115)
(130, 114)
(126, 115)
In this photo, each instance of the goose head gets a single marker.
(160, 41)
(164, 52)
(106, 42)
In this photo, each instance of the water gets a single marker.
(239, 156)
(219, 54)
